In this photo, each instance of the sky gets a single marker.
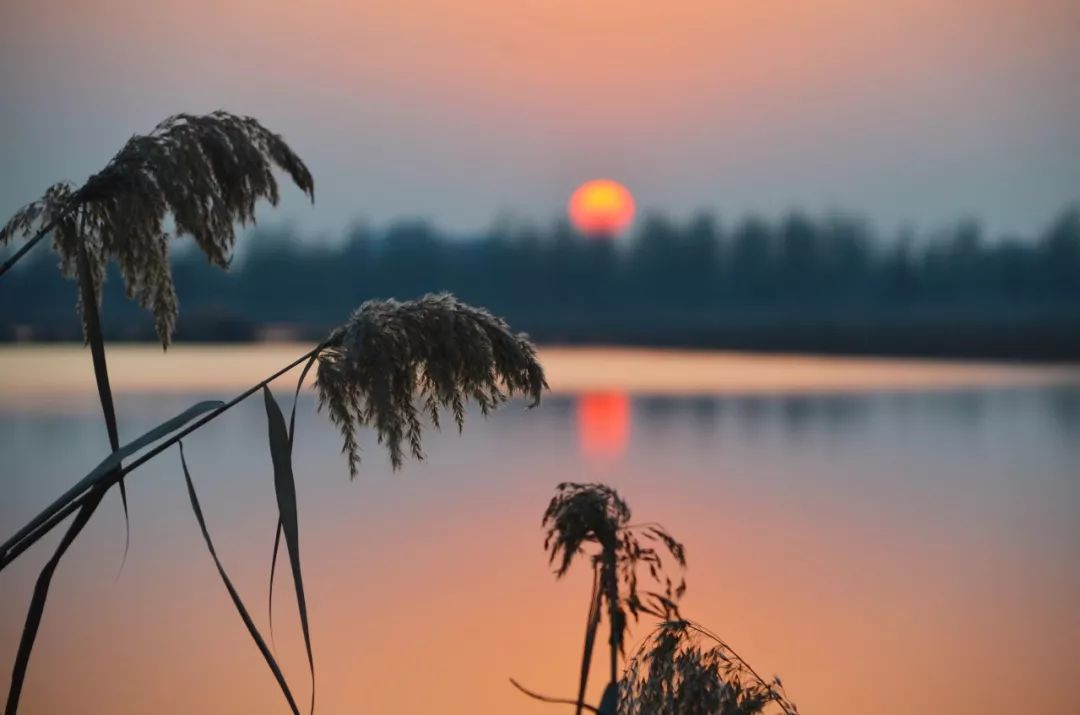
(919, 112)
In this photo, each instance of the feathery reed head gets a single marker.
(206, 173)
(677, 672)
(393, 361)
(580, 513)
(595, 513)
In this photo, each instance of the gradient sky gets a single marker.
(920, 111)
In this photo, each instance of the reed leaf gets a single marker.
(277, 530)
(273, 571)
(285, 488)
(44, 582)
(107, 465)
(41, 594)
(237, 602)
(96, 340)
(200, 174)
(393, 361)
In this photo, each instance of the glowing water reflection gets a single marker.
(603, 424)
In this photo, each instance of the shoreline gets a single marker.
(40, 374)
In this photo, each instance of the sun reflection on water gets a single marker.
(603, 424)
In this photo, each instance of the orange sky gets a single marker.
(915, 110)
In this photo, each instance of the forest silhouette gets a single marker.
(827, 283)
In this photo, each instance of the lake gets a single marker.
(889, 536)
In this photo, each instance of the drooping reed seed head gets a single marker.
(204, 173)
(581, 514)
(682, 669)
(393, 362)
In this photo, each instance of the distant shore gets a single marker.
(1010, 335)
(788, 284)
(40, 375)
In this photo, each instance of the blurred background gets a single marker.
(828, 338)
(794, 283)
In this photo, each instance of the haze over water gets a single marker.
(884, 547)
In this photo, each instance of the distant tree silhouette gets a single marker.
(800, 282)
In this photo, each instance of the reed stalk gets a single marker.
(10, 262)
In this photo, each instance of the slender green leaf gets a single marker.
(37, 602)
(285, 486)
(267, 655)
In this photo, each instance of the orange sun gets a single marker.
(601, 208)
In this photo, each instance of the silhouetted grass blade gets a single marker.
(41, 588)
(113, 461)
(292, 433)
(92, 318)
(277, 533)
(163, 429)
(127, 526)
(273, 570)
(37, 602)
(232, 590)
(285, 486)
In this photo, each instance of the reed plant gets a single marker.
(386, 366)
(681, 668)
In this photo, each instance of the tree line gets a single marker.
(798, 282)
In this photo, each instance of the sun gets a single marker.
(601, 208)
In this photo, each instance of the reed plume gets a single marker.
(672, 672)
(581, 514)
(676, 672)
(392, 362)
(199, 175)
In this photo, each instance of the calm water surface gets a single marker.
(885, 550)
